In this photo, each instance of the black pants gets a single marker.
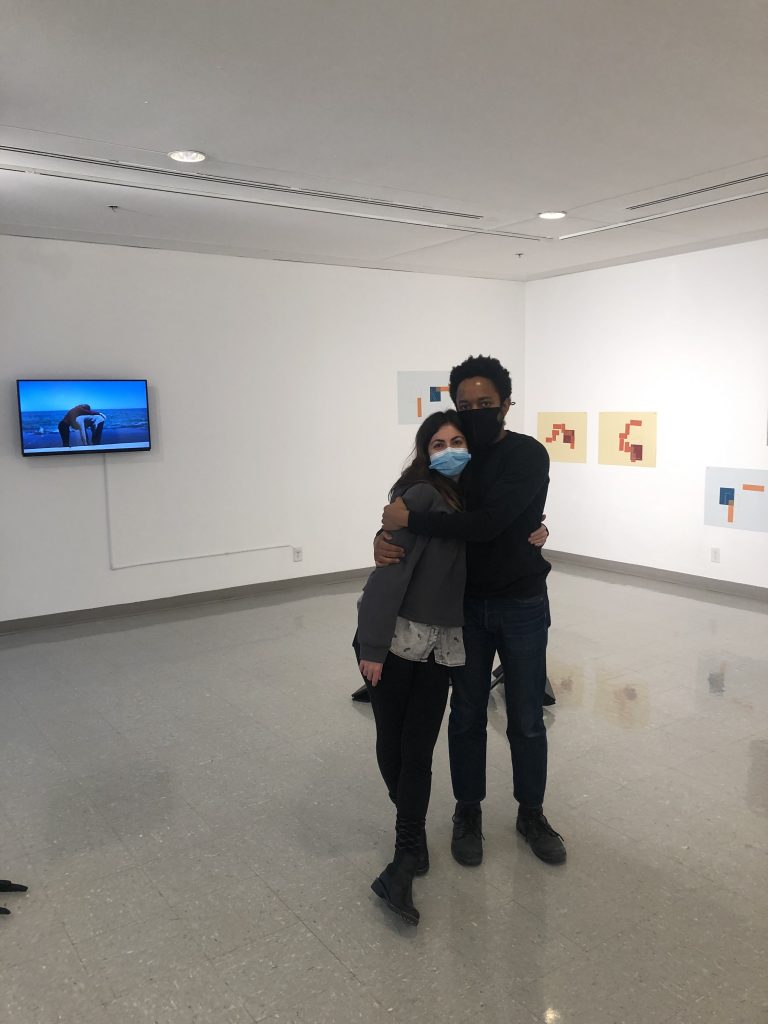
(408, 705)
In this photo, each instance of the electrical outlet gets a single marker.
(298, 554)
(715, 554)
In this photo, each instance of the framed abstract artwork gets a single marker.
(564, 435)
(627, 439)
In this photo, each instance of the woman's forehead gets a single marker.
(447, 433)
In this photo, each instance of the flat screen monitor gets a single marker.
(82, 417)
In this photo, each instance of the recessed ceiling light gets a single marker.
(552, 215)
(186, 156)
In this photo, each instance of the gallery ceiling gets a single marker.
(424, 135)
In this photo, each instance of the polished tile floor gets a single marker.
(193, 800)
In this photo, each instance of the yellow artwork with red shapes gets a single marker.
(564, 435)
(627, 439)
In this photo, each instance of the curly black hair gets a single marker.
(481, 366)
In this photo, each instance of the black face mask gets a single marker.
(481, 427)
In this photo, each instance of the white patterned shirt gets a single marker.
(415, 641)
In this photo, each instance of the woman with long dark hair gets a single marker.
(410, 633)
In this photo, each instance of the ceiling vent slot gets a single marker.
(265, 186)
(699, 191)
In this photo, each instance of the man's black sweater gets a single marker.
(505, 488)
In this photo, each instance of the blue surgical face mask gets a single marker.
(450, 462)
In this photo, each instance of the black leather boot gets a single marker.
(395, 886)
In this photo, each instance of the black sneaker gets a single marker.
(467, 841)
(547, 844)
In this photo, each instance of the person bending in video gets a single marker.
(93, 422)
(81, 418)
(69, 422)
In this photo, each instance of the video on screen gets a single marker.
(83, 416)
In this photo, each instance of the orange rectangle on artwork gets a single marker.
(730, 511)
(753, 487)
(418, 407)
(443, 387)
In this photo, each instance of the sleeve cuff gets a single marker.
(377, 654)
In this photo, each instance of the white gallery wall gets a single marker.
(273, 391)
(684, 336)
(273, 401)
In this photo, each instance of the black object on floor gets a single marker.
(6, 886)
(497, 679)
(549, 695)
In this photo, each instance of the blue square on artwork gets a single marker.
(727, 495)
(434, 394)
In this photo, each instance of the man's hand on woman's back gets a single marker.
(385, 553)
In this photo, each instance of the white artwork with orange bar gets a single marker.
(420, 393)
(736, 499)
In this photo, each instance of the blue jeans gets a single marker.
(517, 630)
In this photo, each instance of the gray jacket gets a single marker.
(427, 586)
